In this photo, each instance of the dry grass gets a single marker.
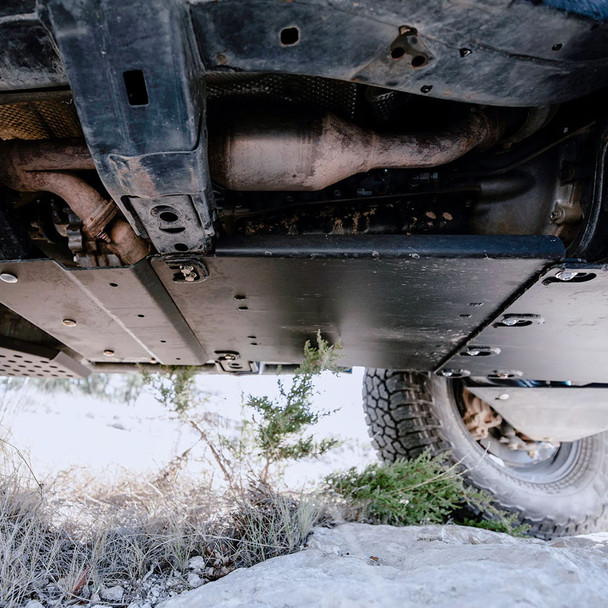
(66, 549)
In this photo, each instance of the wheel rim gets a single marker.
(548, 467)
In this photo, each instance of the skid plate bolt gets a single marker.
(7, 277)
(566, 275)
(480, 351)
(189, 273)
(507, 374)
(503, 397)
(511, 321)
(454, 373)
(229, 357)
(109, 353)
(69, 322)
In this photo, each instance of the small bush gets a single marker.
(282, 427)
(425, 490)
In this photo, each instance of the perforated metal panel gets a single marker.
(39, 119)
(321, 93)
(20, 359)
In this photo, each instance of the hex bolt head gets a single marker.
(7, 277)
(480, 351)
(454, 373)
(566, 275)
(511, 321)
(69, 322)
(189, 273)
(108, 352)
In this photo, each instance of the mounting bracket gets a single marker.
(137, 83)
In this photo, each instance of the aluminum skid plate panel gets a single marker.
(122, 312)
(392, 301)
(557, 330)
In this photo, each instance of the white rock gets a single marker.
(194, 580)
(173, 581)
(416, 566)
(112, 594)
(196, 563)
(34, 604)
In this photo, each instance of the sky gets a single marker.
(67, 431)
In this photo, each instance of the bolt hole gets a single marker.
(557, 47)
(427, 88)
(252, 337)
(290, 36)
(178, 358)
(398, 52)
(135, 83)
(180, 247)
(163, 341)
(243, 307)
(418, 61)
(168, 216)
(113, 284)
(464, 51)
(141, 316)
(173, 230)
(240, 297)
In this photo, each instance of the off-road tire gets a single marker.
(409, 412)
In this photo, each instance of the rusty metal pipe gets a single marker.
(50, 155)
(46, 167)
(261, 153)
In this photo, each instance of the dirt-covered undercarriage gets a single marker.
(210, 184)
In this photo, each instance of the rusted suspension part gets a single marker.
(47, 166)
(479, 417)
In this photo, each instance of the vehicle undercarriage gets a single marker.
(211, 183)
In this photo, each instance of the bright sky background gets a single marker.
(61, 431)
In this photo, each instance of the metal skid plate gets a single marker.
(392, 301)
(556, 330)
(22, 359)
(104, 314)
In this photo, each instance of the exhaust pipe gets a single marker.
(256, 154)
(46, 166)
(273, 153)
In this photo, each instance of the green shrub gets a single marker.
(425, 490)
